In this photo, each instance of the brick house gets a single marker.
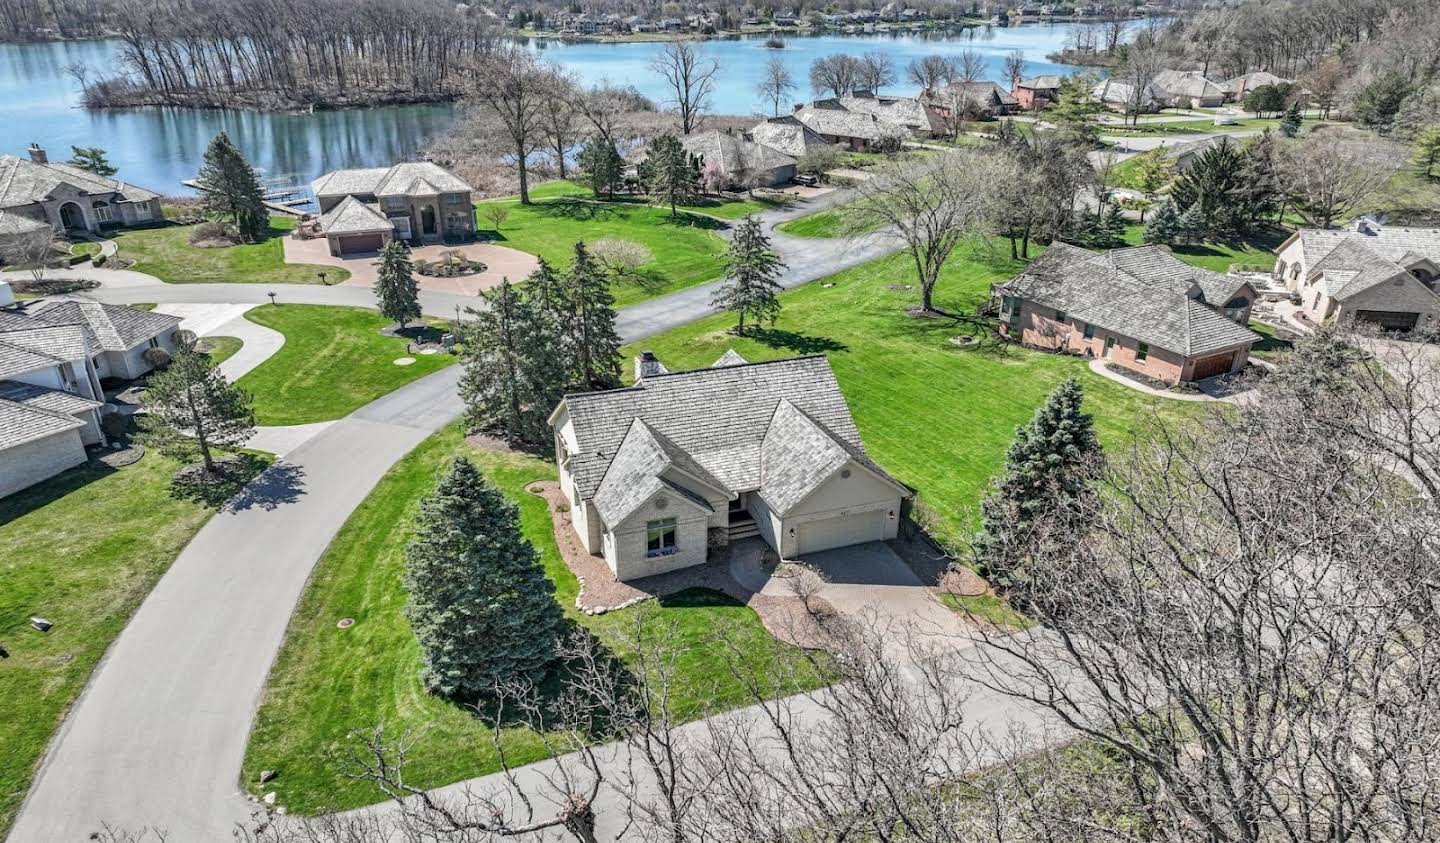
(362, 210)
(1140, 308)
(1036, 92)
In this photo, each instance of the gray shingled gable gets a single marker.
(635, 475)
(352, 216)
(44, 398)
(24, 182)
(731, 357)
(718, 416)
(112, 327)
(796, 457)
(21, 423)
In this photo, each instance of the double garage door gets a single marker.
(1389, 320)
(841, 532)
(350, 244)
(1209, 367)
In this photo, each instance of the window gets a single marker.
(102, 211)
(1059, 316)
(660, 537)
(1142, 352)
(154, 342)
(142, 211)
(1089, 331)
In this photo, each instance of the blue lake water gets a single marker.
(157, 147)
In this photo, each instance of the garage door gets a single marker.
(1390, 320)
(1209, 367)
(840, 532)
(361, 243)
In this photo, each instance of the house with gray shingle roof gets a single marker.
(36, 193)
(788, 135)
(1188, 89)
(1236, 89)
(363, 209)
(52, 358)
(1372, 272)
(741, 163)
(1141, 308)
(858, 130)
(977, 99)
(660, 472)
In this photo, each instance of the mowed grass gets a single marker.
(334, 361)
(220, 349)
(166, 253)
(327, 682)
(80, 550)
(686, 249)
(937, 416)
(1256, 249)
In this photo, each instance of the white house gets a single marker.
(659, 472)
(1386, 275)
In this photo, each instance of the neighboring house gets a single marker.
(660, 472)
(1188, 89)
(1036, 92)
(856, 130)
(35, 193)
(1385, 275)
(119, 336)
(788, 135)
(742, 163)
(1186, 154)
(1141, 308)
(362, 210)
(1121, 96)
(909, 113)
(982, 99)
(1236, 89)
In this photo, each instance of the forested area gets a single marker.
(275, 53)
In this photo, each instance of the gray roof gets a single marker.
(709, 424)
(788, 135)
(412, 178)
(352, 216)
(906, 112)
(24, 182)
(1119, 92)
(1043, 82)
(1354, 261)
(112, 327)
(979, 94)
(21, 423)
(1139, 293)
(57, 341)
(734, 155)
(1187, 83)
(1252, 80)
(15, 359)
(13, 223)
(44, 398)
(843, 123)
(731, 357)
(797, 455)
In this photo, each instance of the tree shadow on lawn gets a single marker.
(648, 281)
(794, 341)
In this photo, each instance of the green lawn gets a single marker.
(1253, 250)
(166, 253)
(220, 349)
(334, 361)
(686, 248)
(1194, 127)
(937, 416)
(81, 550)
(820, 224)
(1271, 346)
(328, 681)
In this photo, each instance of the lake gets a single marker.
(157, 147)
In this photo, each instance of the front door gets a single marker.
(71, 217)
(427, 219)
(1109, 344)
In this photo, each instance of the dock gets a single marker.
(275, 202)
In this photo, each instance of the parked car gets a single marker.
(807, 179)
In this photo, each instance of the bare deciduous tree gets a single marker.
(930, 72)
(560, 118)
(776, 84)
(1329, 176)
(876, 71)
(514, 89)
(690, 76)
(838, 74)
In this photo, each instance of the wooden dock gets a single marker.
(285, 208)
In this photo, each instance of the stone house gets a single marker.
(1381, 274)
(35, 193)
(742, 163)
(660, 472)
(362, 210)
(1140, 308)
(981, 99)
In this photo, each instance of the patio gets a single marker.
(500, 262)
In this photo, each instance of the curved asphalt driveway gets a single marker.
(158, 736)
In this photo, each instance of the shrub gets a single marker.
(156, 358)
(214, 234)
(621, 255)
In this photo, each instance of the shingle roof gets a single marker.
(1186, 83)
(1120, 93)
(1252, 80)
(796, 456)
(58, 340)
(788, 135)
(1047, 81)
(15, 359)
(717, 417)
(412, 178)
(1153, 307)
(636, 474)
(348, 182)
(44, 398)
(731, 357)
(979, 94)
(24, 182)
(907, 112)
(352, 216)
(113, 327)
(13, 223)
(839, 122)
(734, 155)
(1354, 261)
(20, 423)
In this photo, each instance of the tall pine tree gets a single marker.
(1215, 184)
(232, 192)
(395, 289)
(1049, 469)
(591, 322)
(480, 604)
(670, 175)
(513, 377)
(601, 165)
(190, 409)
(1164, 225)
(751, 270)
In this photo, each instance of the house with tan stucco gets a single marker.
(659, 473)
(362, 210)
(37, 195)
(1381, 274)
(1140, 308)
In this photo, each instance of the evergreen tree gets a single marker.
(1265, 99)
(1290, 123)
(1259, 195)
(546, 291)
(1427, 150)
(751, 270)
(1214, 184)
(1048, 472)
(513, 378)
(395, 289)
(1112, 228)
(232, 191)
(480, 604)
(1164, 225)
(191, 409)
(92, 159)
(601, 165)
(670, 175)
(1376, 105)
(591, 325)
(1192, 227)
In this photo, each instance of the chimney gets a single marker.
(648, 364)
(37, 154)
(1367, 225)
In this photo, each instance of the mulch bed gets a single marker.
(128, 455)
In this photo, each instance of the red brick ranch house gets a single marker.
(1140, 308)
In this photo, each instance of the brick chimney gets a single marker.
(37, 154)
(647, 364)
